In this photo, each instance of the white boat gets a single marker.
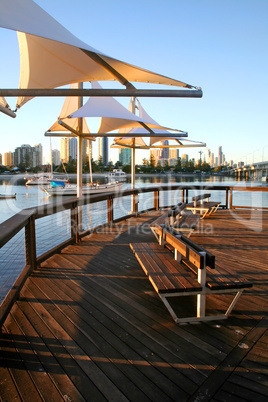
(63, 189)
(6, 196)
(44, 180)
(117, 175)
(37, 180)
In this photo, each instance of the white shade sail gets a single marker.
(70, 105)
(51, 56)
(158, 134)
(4, 107)
(3, 102)
(113, 115)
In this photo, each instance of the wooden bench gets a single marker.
(178, 218)
(205, 208)
(189, 270)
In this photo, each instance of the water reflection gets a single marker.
(33, 196)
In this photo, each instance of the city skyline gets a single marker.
(68, 149)
(222, 53)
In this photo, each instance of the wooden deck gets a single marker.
(89, 326)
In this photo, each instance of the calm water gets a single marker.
(57, 227)
(33, 196)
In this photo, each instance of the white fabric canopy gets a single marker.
(70, 105)
(51, 56)
(160, 133)
(3, 102)
(4, 107)
(113, 115)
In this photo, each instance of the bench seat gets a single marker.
(177, 266)
(178, 218)
(186, 223)
(204, 208)
(165, 273)
(222, 278)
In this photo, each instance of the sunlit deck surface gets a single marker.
(89, 325)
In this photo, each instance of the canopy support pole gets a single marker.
(108, 67)
(7, 111)
(79, 148)
(133, 157)
(149, 93)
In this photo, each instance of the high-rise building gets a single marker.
(154, 154)
(73, 148)
(23, 155)
(184, 159)
(173, 156)
(64, 149)
(164, 152)
(38, 155)
(103, 150)
(174, 153)
(125, 156)
(55, 157)
(212, 160)
(220, 159)
(8, 158)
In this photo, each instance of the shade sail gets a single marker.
(113, 115)
(51, 56)
(158, 133)
(4, 107)
(3, 102)
(70, 105)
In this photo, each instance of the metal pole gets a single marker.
(79, 147)
(149, 93)
(7, 111)
(133, 156)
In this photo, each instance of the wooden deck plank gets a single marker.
(20, 375)
(136, 312)
(87, 355)
(105, 339)
(91, 321)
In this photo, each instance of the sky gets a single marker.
(218, 45)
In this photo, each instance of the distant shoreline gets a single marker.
(102, 175)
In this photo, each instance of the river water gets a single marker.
(56, 228)
(33, 196)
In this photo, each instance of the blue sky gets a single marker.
(220, 46)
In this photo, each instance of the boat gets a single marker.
(117, 175)
(57, 188)
(37, 180)
(44, 180)
(7, 196)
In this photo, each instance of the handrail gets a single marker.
(27, 217)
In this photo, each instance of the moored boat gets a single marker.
(117, 175)
(6, 196)
(44, 180)
(58, 188)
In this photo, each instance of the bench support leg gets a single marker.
(201, 314)
(201, 298)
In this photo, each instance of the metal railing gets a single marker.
(35, 234)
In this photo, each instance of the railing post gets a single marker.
(186, 195)
(30, 243)
(74, 224)
(231, 199)
(182, 195)
(156, 200)
(110, 210)
(226, 198)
